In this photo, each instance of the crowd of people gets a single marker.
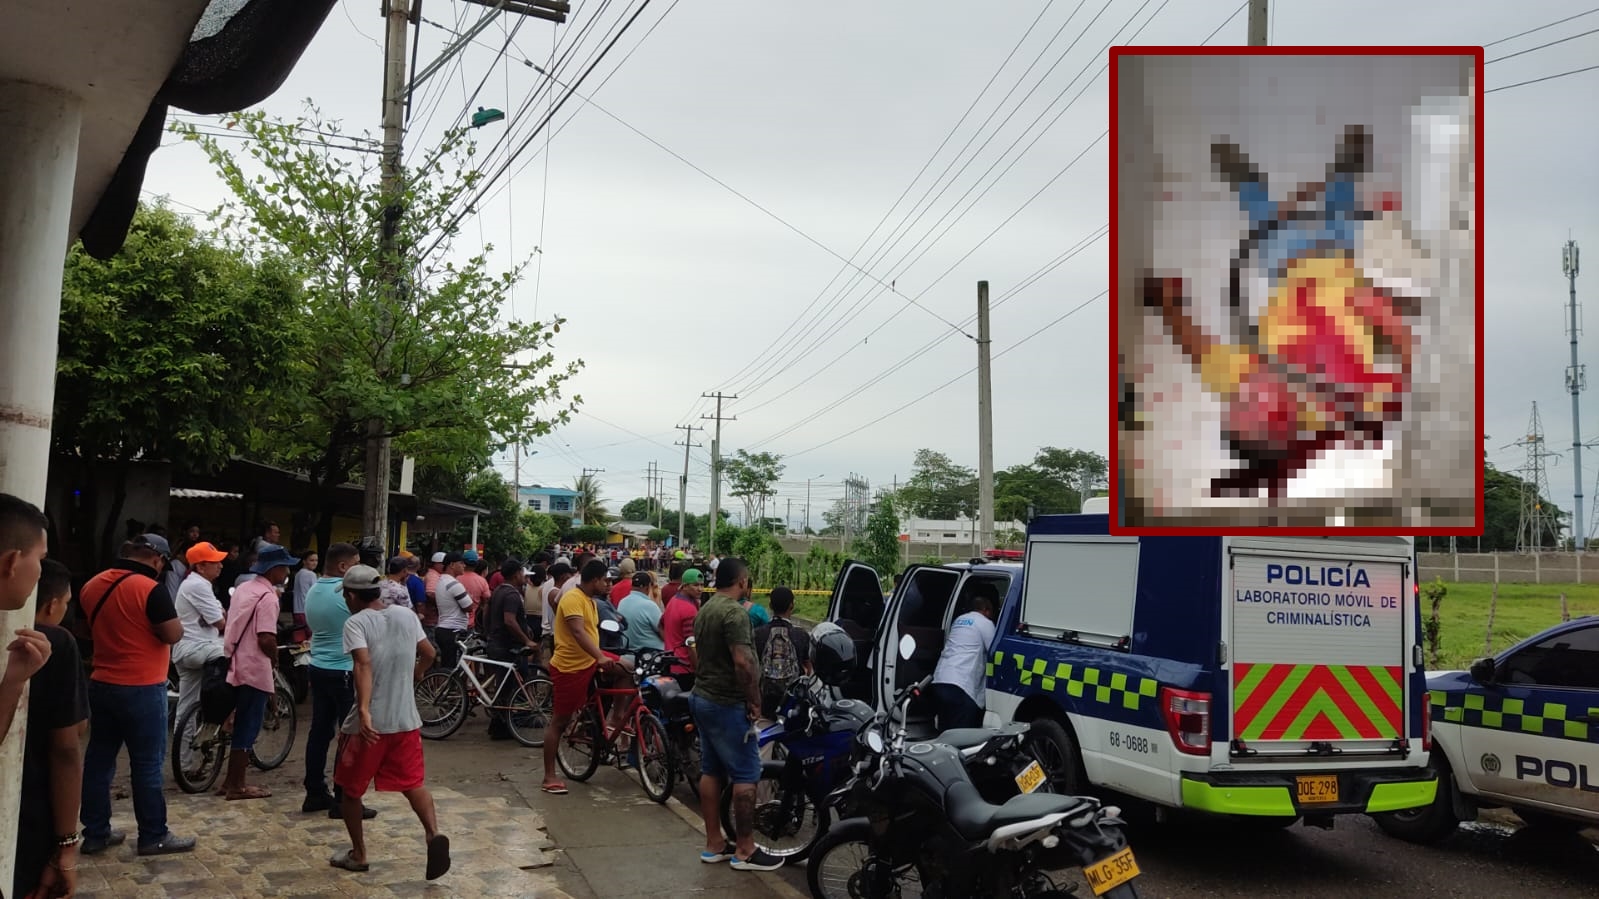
(374, 627)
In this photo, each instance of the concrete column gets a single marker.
(38, 165)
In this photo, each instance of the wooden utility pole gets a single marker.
(985, 423)
(682, 484)
(1257, 22)
(716, 463)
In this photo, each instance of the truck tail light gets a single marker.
(1426, 722)
(1187, 715)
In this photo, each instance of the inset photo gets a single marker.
(1297, 279)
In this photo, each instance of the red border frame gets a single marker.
(1116, 53)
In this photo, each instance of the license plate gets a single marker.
(1317, 788)
(1108, 874)
(1031, 777)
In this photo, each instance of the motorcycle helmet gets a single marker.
(832, 654)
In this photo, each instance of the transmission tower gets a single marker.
(1535, 523)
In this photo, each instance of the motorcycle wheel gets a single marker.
(441, 703)
(841, 866)
(686, 755)
(788, 820)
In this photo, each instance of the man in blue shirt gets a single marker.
(331, 676)
(643, 615)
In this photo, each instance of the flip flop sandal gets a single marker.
(248, 793)
(557, 788)
(345, 859)
(438, 856)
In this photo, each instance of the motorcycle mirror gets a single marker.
(907, 646)
(610, 627)
(874, 741)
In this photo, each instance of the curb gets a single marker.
(776, 884)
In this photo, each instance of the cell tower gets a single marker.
(1576, 380)
(1535, 524)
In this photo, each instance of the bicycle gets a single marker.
(588, 740)
(444, 698)
(210, 740)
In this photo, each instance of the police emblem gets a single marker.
(1490, 763)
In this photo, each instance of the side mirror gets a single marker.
(610, 626)
(1482, 671)
(907, 646)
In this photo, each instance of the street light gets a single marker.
(808, 502)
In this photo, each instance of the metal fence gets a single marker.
(1511, 568)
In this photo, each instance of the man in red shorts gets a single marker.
(577, 658)
(381, 740)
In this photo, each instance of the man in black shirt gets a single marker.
(507, 633)
(52, 762)
(782, 603)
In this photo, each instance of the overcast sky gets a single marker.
(672, 285)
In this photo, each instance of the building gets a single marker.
(953, 532)
(554, 500)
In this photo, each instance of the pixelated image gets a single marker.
(1296, 286)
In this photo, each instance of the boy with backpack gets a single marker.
(784, 651)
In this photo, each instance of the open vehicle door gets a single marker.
(920, 608)
(857, 605)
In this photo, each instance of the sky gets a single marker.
(793, 205)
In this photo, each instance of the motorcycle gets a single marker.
(664, 684)
(912, 817)
(813, 744)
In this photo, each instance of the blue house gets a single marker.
(555, 500)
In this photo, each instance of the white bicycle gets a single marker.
(444, 699)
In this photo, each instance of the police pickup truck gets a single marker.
(1518, 730)
(1276, 678)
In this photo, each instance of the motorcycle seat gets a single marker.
(975, 819)
(972, 737)
(673, 697)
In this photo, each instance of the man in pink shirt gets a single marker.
(477, 586)
(677, 620)
(252, 631)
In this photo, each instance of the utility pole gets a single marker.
(1576, 381)
(649, 488)
(1257, 23)
(375, 501)
(985, 423)
(716, 462)
(682, 484)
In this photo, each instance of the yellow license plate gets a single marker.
(1110, 873)
(1030, 778)
(1317, 788)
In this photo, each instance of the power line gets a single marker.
(1532, 30)
(1539, 47)
(1225, 23)
(1505, 87)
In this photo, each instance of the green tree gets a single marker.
(590, 533)
(938, 488)
(541, 528)
(448, 376)
(500, 531)
(879, 545)
(843, 517)
(176, 349)
(588, 506)
(643, 508)
(752, 477)
(658, 534)
(1503, 497)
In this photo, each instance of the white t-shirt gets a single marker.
(547, 596)
(964, 661)
(453, 601)
(390, 636)
(197, 607)
(304, 580)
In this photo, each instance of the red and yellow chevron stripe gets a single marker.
(1317, 702)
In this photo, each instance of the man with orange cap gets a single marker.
(202, 618)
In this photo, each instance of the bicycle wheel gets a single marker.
(210, 746)
(441, 702)
(531, 708)
(272, 745)
(656, 768)
(581, 746)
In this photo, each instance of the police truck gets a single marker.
(1276, 678)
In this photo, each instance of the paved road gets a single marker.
(1210, 858)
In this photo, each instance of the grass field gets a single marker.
(1523, 610)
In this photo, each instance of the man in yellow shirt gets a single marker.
(577, 658)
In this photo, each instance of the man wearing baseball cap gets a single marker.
(330, 674)
(252, 644)
(202, 618)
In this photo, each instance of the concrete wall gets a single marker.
(1513, 568)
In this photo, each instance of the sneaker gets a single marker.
(170, 844)
(711, 858)
(759, 860)
(317, 803)
(92, 846)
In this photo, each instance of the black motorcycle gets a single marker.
(664, 685)
(913, 818)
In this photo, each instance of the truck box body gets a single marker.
(1255, 676)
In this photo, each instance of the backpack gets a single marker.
(779, 666)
